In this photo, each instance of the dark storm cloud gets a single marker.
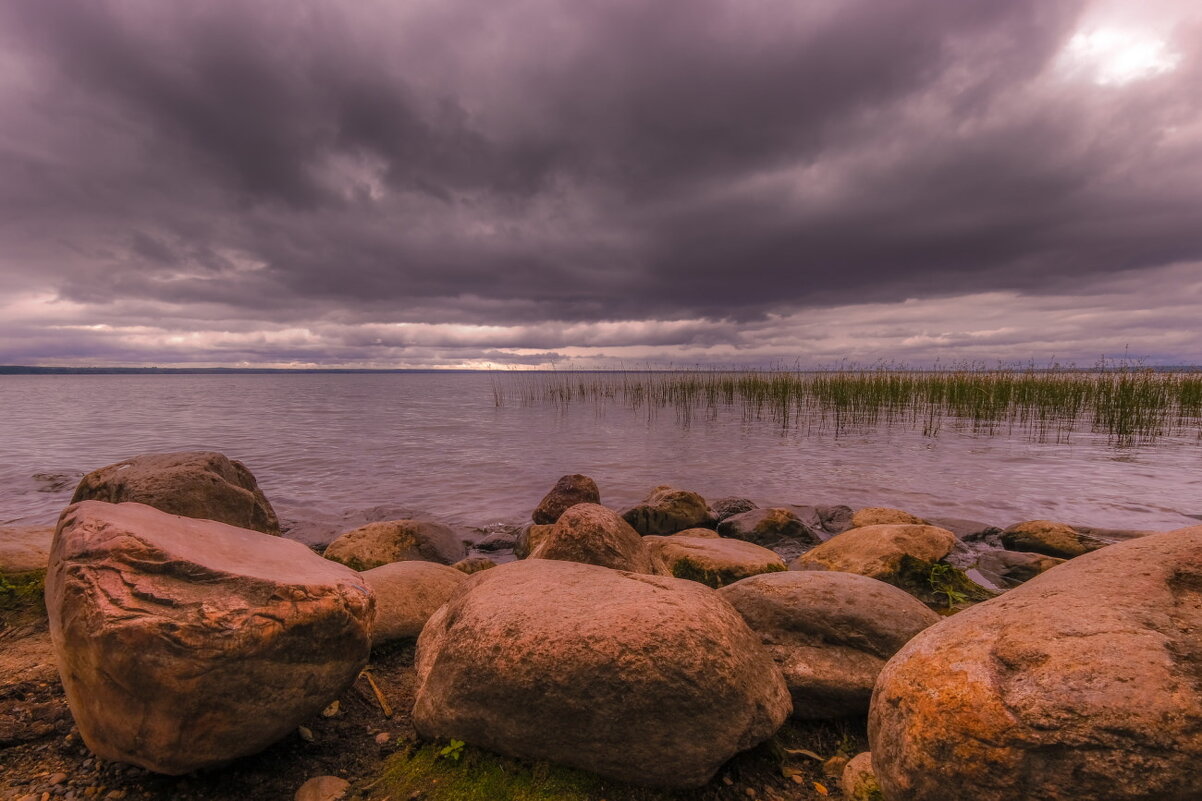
(317, 163)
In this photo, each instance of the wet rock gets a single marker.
(594, 535)
(200, 484)
(575, 664)
(528, 538)
(397, 541)
(830, 633)
(407, 593)
(667, 511)
(567, 492)
(24, 549)
(1049, 538)
(498, 541)
(728, 507)
(835, 519)
(712, 560)
(473, 564)
(1081, 683)
(323, 788)
(884, 516)
(186, 643)
(859, 781)
(1011, 568)
(768, 527)
(970, 530)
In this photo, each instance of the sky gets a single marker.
(600, 183)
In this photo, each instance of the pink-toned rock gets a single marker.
(594, 535)
(644, 679)
(407, 593)
(712, 560)
(24, 549)
(397, 541)
(667, 511)
(200, 484)
(1049, 538)
(186, 643)
(322, 788)
(567, 492)
(879, 552)
(884, 516)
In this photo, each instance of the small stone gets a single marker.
(383, 738)
(57, 778)
(750, 792)
(305, 733)
(331, 710)
(322, 788)
(796, 777)
(834, 766)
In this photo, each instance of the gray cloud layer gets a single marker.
(558, 175)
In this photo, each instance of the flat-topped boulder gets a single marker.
(771, 526)
(644, 679)
(830, 633)
(1049, 538)
(186, 643)
(397, 541)
(201, 484)
(407, 593)
(567, 492)
(667, 511)
(594, 535)
(879, 552)
(1083, 683)
(712, 560)
(884, 516)
(24, 549)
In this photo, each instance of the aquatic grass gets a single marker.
(1129, 405)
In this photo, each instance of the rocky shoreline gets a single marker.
(677, 648)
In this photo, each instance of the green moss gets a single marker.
(939, 585)
(478, 775)
(22, 597)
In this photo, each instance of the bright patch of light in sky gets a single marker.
(1113, 56)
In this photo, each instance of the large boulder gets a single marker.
(712, 560)
(397, 541)
(185, 643)
(567, 492)
(1081, 684)
(407, 593)
(594, 535)
(830, 633)
(770, 526)
(201, 484)
(667, 511)
(24, 549)
(644, 679)
(1049, 538)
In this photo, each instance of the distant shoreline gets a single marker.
(36, 370)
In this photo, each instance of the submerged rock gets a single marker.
(1081, 684)
(200, 484)
(830, 633)
(644, 679)
(667, 511)
(186, 643)
(567, 492)
(712, 560)
(407, 593)
(594, 535)
(396, 541)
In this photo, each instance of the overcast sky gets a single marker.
(600, 182)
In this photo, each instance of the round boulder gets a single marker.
(1081, 684)
(396, 541)
(1049, 538)
(567, 492)
(879, 552)
(667, 511)
(712, 560)
(186, 643)
(407, 593)
(859, 781)
(200, 484)
(728, 507)
(830, 633)
(644, 679)
(594, 535)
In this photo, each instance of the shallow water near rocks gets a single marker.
(333, 450)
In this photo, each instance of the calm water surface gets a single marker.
(342, 448)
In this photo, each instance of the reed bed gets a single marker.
(1129, 406)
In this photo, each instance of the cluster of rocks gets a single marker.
(647, 646)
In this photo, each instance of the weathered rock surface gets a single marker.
(1011, 568)
(728, 507)
(1081, 684)
(667, 511)
(396, 541)
(594, 535)
(830, 633)
(322, 788)
(567, 492)
(879, 552)
(473, 564)
(24, 549)
(859, 781)
(707, 533)
(712, 560)
(884, 516)
(1049, 538)
(407, 593)
(201, 484)
(644, 679)
(498, 541)
(185, 643)
(528, 538)
(768, 527)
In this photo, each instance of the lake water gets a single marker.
(333, 450)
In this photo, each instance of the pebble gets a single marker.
(383, 738)
(57, 778)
